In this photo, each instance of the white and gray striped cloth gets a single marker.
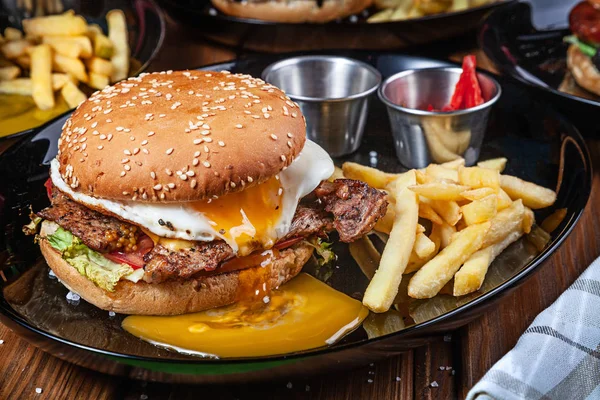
(558, 356)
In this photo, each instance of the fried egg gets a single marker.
(256, 217)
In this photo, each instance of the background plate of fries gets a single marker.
(455, 240)
(55, 53)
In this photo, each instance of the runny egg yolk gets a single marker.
(303, 314)
(247, 217)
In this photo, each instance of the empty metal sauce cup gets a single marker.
(424, 137)
(333, 94)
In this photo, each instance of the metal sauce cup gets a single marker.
(333, 94)
(425, 137)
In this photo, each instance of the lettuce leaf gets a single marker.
(585, 48)
(93, 265)
(325, 257)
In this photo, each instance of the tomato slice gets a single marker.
(134, 259)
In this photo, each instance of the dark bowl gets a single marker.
(541, 147)
(145, 22)
(352, 33)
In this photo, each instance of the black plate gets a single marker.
(525, 41)
(353, 32)
(536, 140)
(145, 24)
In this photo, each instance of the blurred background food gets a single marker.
(398, 10)
(55, 53)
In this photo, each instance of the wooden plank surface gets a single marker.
(469, 353)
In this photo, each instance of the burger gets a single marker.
(583, 59)
(295, 11)
(176, 192)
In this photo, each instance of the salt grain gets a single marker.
(434, 384)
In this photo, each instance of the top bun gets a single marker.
(179, 136)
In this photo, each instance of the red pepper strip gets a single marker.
(457, 97)
(287, 243)
(473, 96)
(49, 186)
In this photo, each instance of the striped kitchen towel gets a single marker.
(558, 356)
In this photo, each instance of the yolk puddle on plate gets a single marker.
(303, 314)
(18, 113)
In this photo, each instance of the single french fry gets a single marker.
(71, 66)
(41, 76)
(63, 24)
(506, 221)
(422, 177)
(533, 196)
(385, 223)
(477, 177)
(472, 274)
(415, 262)
(454, 164)
(98, 81)
(12, 34)
(72, 95)
(440, 190)
(430, 279)
(425, 211)
(366, 255)
(504, 200)
(59, 80)
(63, 47)
(424, 247)
(117, 33)
(24, 86)
(9, 72)
(497, 164)
(23, 61)
(480, 211)
(374, 177)
(381, 16)
(337, 171)
(384, 286)
(438, 172)
(448, 210)
(444, 232)
(15, 48)
(478, 194)
(554, 220)
(528, 220)
(103, 47)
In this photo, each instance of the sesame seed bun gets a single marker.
(174, 297)
(583, 70)
(179, 136)
(292, 11)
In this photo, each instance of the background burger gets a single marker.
(294, 11)
(582, 56)
(181, 191)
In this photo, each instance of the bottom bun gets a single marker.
(583, 69)
(176, 297)
(297, 11)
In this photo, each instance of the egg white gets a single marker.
(304, 174)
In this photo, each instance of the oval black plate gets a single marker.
(525, 41)
(353, 32)
(145, 24)
(537, 141)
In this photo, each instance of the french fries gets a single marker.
(468, 218)
(384, 286)
(397, 10)
(80, 50)
(533, 196)
(430, 279)
(554, 220)
(41, 77)
(117, 32)
(480, 211)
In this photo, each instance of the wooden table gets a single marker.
(470, 351)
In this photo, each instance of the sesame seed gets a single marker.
(169, 151)
(145, 151)
(102, 137)
(290, 135)
(127, 130)
(239, 126)
(198, 141)
(171, 185)
(208, 140)
(221, 143)
(150, 133)
(282, 158)
(110, 136)
(168, 172)
(162, 196)
(232, 184)
(109, 120)
(195, 162)
(119, 128)
(250, 180)
(127, 152)
(193, 183)
(266, 115)
(123, 173)
(289, 144)
(190, 173)
(126, 167)
(107, 111)
(280, 192)
(136, 150)
(197, 154)
(162, 115)
(294, 115)
(100, 147)
(95, 133)
(125, 161)
(157, 187)
(94, 124)
(273, 136)
(205, 132)
(183, 177)
(144, 142)
(153, 175)
(205, 126)
(206, 164)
